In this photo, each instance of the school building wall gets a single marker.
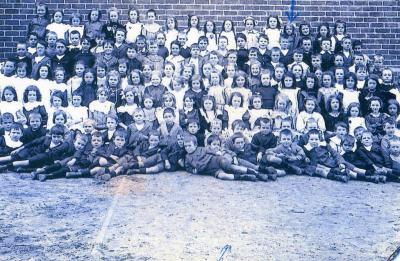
(375, 22)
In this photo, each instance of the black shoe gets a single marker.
(252, 171)
(292, 169)
(267, 170)
(382, 178)
(248, 177)
(373, 178)
(34, 175)
(273, 177)
(262, 177)
(3, 168)
(341, 178)
(132, 171)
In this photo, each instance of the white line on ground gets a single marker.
(107, 219)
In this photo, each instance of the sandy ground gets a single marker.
(177, 216)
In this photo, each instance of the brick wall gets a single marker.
(375, 22)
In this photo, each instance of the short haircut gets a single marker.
(57, 129)
(121, 134)
(17, 125)
(190, 138)
(348, 139)
(212, 138)
(285, 132)
(341, 124)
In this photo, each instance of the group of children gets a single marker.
(101, 99)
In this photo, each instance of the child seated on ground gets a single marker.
(392, 161)
(35, 128)
(61, 167)
(264, 139)
(324, 161)
(205, 161)
(11, 141)
(42, 151)
(287, 156)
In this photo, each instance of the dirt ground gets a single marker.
(177, 216)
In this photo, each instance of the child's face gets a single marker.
(133, 16)
(316, 61)
(188, 103)
(32, 96)
(209, 26)
(265, 128)
(394, 148)
(288, 82)
(151, 17)
(284, 44)
(375, 106)
(155, 79)
(236, 101)
(249, 24)
(338, 61)
(88, 128)
(222, 43)
(350, 83)
(389, 129)
(79, 69)
(263, 43)
(189, 147)
(130, 97)
(228, 26)
(75, 39)
(214, 79)
(32, 41)
(8, 68)
(148, 103)
(113, 80)
(94, 16)
(59, 119)
(171, 24)
(35, 122)
(358, 133)
(169, 118)
(195, 52)
(207, 68)
(339, 75)
(43, 72)
(187, 73)
(346, 44)
(281, 104)
(340, 28)
(216, 129)
(255, 69)
(335, 105)
(59, 76)
(57, 102)
(239, 143)
(51, 39)
(88, 78)
(305, 30)
(347, 147)
(15, 134)
(102, 96)
(273, 22)
(298, 57)
(111, 124)
(310, 82)
(310, 106)
(182, 39)
(138, 116)
(241, 43)
(279, 73)
(265, 79)
(196, 85)
(119, 141)
(179, 140)
(387, 76)
(79, 144)
(238, 128)
(215, 145)
(193, 128)
(257, 103)
(208, 105)
(7, 124)
(371, 85)
(108, 48)
(366, 139)
(168, 70)
(169, 102)
(113, 16)
(101, 72)
(8, 95)
(327, 81)
(97, 142)
(41, 10)
(76, 100)
(154, 140)
(57, 139)
(153, 49)
(203, 44)
(230, 71)
(60, 48)
(392, 109)
(176, 85)
(286, 125)
(297, 71)
(361, 74)
(135, 77)
(122, 69)
(312, 126)
(307, 45)
(285, 140)
(21, 72)
(57, 17)
(253, 55)
(141, 44)
(313, 140)
(131, 53)
(275, 56)
(232, 59)
(341, 131)
(325, 45)
(240, 81)
(354, 111)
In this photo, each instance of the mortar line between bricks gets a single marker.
(107, 219)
